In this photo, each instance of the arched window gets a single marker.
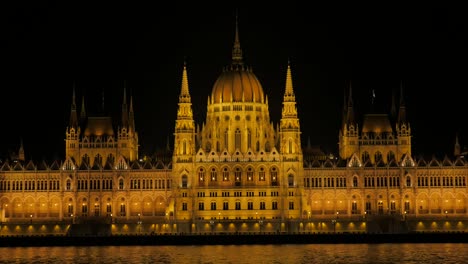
(290, 146)
(184, 147)
(408, 181)
(390, 156)
(274, 176)
(225, 174)
(238, 141)
(238, 176)
(214, 174)
(121, 184)
(291, 180)
(184, 181)
(249, 139)
(201, 175)
(250, 174)
(355, 181)
(226, 139)
(68, 187)
(261, 174)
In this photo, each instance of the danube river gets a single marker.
(311, 253)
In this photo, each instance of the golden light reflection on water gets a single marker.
(313, 253)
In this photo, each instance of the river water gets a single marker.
(313, 253)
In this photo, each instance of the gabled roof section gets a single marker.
(159, 165)
(328, 164)
(213, 156)
(354, 161)
(393, 163)
(249, 155)
(147, 165)
(69, 164)
(108, 165)
(84, 166)
(5, 166)
(121, 163)
(237, 156)
(274, 155)
(55, 165)
(447, 162)
(225, 156)
(459, 161)
(135, 166)
(201, 155)
(380, 163)
(18, 166)
(407, 161)
(316, 164)
(422, 163)
(368, 164)
(434, 162)
(30, 166)
(42, 166)
(96, 166)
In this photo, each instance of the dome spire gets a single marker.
(236, 50)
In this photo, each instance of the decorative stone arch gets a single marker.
(274, 176)
(356, 203)
(120, 183)
(460, 203)
(135, 205)
(29, 206)
(120, 205)
(54, 206)
(160, 206)
(448, 203)
(43, 207)
(341, 205)
(435, 203)
(147, 206)
(68, 206)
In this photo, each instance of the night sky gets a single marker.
(48, 47)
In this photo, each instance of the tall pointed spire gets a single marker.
(73, 114)
(184, 91)
(124, 107)
(21, 151)
(289, 99)
(83, 109)
(236, 50)
(350, 111)
(131, 115)
(457, 148)
(402, 110)
(289, 92)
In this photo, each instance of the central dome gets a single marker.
(237, 83)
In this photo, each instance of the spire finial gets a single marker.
(236, 50)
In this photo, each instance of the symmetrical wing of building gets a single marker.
(236, 171)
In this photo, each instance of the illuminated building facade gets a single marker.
(237, 172)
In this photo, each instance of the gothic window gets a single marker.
(226, 139)
(261, 174)
(274, 176)
(390, 156)
(214, 174)
(291, 180)
(290, 146)
(184, 181)
(122, 210)
(98, 159)
(250, 174)
(249, 139)
(238, 139)
(408, 181)
(201, 175)
(121, 184)
(257, 147)
(355, 182)
(184, 147)
(267, 146)
(225, 174)
(110, 159)
(68, 187)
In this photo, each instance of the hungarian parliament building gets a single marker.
(237, 170)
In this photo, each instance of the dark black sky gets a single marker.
(47, 47)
